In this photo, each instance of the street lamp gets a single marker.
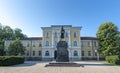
(97, 55)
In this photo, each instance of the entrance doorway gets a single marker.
(55, 54)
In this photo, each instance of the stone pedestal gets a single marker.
(62, 52)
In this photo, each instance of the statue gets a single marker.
(62, 32)
(62, 52)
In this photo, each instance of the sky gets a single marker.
(31, 15)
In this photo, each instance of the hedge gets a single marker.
(11, 60)
(113, 59)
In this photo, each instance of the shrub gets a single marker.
(113, 59)
(11, 60)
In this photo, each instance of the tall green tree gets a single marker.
(109, 39)
(16, 48)
(18, 33)
(7, 33)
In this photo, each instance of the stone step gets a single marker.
(62, 64)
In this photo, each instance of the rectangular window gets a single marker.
(95, 43)
(40, 44)
(28, 44)
(55, 34)
(66, 34)
(27, 53)
(82, 43)
(33, 53)
(89, 43)
(33, 44)
(95, 53)
(39, 53)
(82, 53)
(89, 53)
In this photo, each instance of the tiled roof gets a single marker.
(88, 38)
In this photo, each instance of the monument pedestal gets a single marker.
(62, 52)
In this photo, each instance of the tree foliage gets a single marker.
(109, 39)
(7, 33)
(16, 48)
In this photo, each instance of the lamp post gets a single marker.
(97, 55)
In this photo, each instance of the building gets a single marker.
(44, 48)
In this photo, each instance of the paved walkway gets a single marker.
(38, 67)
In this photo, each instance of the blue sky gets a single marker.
(31, 15)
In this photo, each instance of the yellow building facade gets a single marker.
(44, 48)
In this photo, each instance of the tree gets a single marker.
(108, 39)
(1, 48)
(7, 33)
(16, 48)
(19, 34)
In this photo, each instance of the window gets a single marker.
(75, 53)
(66, 34)
(89, 53)
(75, 35)
(95, 53)
(47, 43)
(89, 43)
(75, 43)
(46, 53)
(55, 34)
(33, 44)
(95, 43)
(40, 44)
(55, 43)
(27, 53)
(39, 53)
(82, 53)
(82, 43)
(33, 53)
(28, 44)
(47, 35)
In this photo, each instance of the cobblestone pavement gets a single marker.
(38, 67)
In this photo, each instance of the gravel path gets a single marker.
(38, 67)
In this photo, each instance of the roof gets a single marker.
(88, 38)
(32, 38)
(40, 38)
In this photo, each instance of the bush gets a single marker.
(11, 60)
(113, 59)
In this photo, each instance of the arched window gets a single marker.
(75, 34)
(47, 43)
(47, 53)
(75, 53)
(75, 43)
(47, 35)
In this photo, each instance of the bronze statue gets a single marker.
(62, 32)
